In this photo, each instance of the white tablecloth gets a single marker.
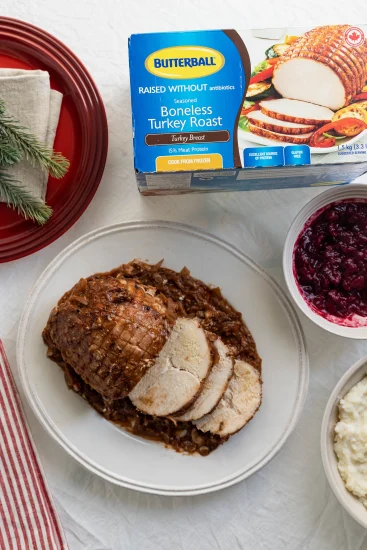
(288, 504)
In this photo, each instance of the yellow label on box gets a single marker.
(180, 62)
(189, 162)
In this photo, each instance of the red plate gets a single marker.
(82, 136)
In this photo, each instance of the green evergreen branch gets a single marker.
(21, 200)
(30, 147)
(8, 154)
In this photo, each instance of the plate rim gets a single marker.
(88, 463)
(20, 32)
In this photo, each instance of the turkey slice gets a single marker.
(287, 138)
(214, 386)
(293, 110)
(238, 405)
(282, 127)
(177, 376)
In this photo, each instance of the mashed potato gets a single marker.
(351, 440)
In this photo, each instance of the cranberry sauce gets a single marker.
(330, 260)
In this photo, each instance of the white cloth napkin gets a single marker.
(28, 98)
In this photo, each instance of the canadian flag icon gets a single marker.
(354, 36)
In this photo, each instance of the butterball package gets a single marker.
(228, 110)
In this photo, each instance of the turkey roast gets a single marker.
(155, 351)
(109, 330)
(321, 68)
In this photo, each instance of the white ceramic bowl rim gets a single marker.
(350, 191)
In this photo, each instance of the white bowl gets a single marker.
(350, 503)
(351, 191)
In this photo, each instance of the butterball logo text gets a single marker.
(185, 62)
(180, 62)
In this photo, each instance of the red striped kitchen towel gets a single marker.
(28, 519)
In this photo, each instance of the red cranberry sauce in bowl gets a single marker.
(330, 262)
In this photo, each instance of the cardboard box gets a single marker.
(224, 110)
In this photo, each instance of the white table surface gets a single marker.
(288, 504)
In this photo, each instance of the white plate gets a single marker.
(132, 461)
(249, 136)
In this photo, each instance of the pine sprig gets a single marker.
(18, 198)
(16, 143)
(8, 154)
(30, 147)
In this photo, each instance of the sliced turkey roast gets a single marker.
(287, 138)
(238, 405)
(153, 350)
(262, 120)
(214, 386)
(299, 112)
(177, 376)
(319, 68)
(316, 83)
(109, 331)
